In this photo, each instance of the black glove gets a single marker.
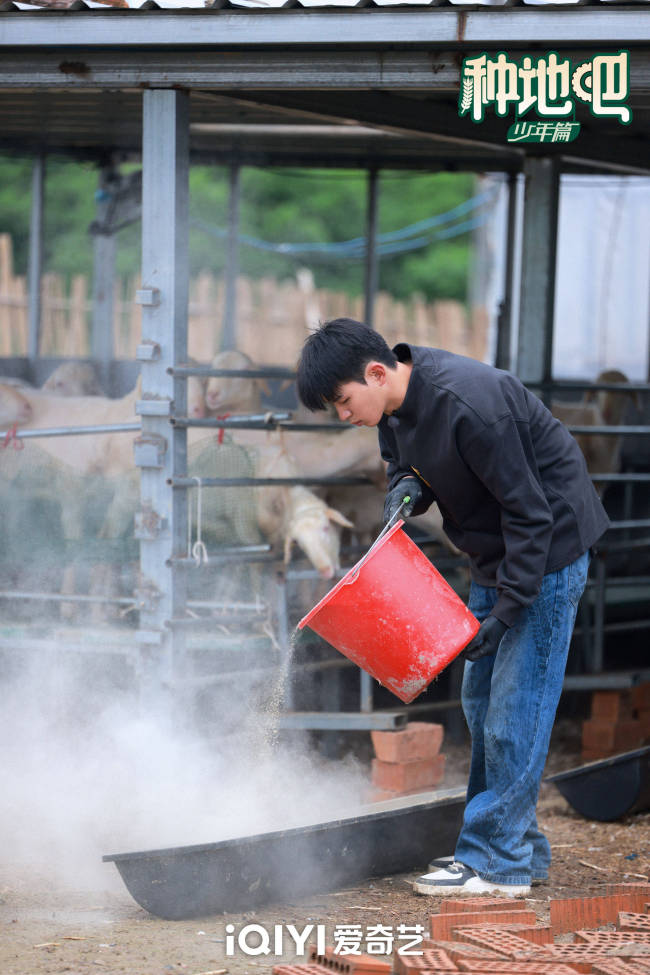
(408, 487)
(487, 639)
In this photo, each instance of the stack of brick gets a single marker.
(641, 703)
(500, 936)
(613, 726)
(407, 761)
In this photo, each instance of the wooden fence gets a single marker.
(273, 316)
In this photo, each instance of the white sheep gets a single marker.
(74, 379)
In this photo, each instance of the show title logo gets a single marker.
(550, 86)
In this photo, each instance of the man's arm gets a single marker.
(503, 458)
(395, 473)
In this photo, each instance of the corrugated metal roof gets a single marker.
(74, 84)
(273, 5)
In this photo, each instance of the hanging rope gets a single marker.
(198, 550)
(222, 430)
(13, 439)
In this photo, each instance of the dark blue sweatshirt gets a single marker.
(509, 479)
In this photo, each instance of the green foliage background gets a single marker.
(276, 205)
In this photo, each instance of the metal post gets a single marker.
(372, 257)
(535, 338)
(161, 451)
(598, 651)
(104, 247)
(504, 325)
(35, 257)
(365, 693)
(229, 332)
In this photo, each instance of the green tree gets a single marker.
(277, 205)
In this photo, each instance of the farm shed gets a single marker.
(371, 86)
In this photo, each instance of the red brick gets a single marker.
(644, 721)
(612, 939)
(431, 959)
(537, 934)
(419, 740)
(402, 777)
(496, 939)
(350, 964)
(471, 905)
(443, 924)
(602, 735)
(640, 696)
(610, 705)
(627, 921)
(311, 968)
(457, 952)
(620, 966)
(571, 913)
(584, 956)
(483, 967)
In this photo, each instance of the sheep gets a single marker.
(598, 408)
(15, 408)
(234, 394)
(364, 506)
(52, 507)
(74, 379)
(101, 454)
(293, 513)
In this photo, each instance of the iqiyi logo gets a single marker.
(550, 86)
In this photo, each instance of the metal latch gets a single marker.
(147, 296)
(148, 351)
(148, 524)
(149, 450)
(153, 407)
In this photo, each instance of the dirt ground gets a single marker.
(47, 928)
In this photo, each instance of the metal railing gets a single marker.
(282, 420)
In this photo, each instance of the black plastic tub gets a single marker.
(247, 872)
(610, 788)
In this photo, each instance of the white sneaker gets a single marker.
(459, 879)
(442, 862)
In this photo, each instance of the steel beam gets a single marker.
(539, 241)
(32, 64)
(468, 28)
(102, 346)
(229, 327)
(504, 323)
(35, 257)
(372, 256)
(165, 191)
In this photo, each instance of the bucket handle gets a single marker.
(353, 574)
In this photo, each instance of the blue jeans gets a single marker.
(510, 700)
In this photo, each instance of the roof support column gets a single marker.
(104, 247)
(539, 243)
(229, 332)
(35, 257)
(372, 256)
(504, 323)
(161, 450)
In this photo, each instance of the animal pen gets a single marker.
(371, 87)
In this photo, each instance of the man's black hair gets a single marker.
(336, 353)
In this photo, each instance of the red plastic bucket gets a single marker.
(395, 617)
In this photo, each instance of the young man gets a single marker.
(515, 495)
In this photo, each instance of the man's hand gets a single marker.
(487, 639)
(408, 487)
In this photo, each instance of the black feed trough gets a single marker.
(247, 872)
(610, 788)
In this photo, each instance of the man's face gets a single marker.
(362, 404)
